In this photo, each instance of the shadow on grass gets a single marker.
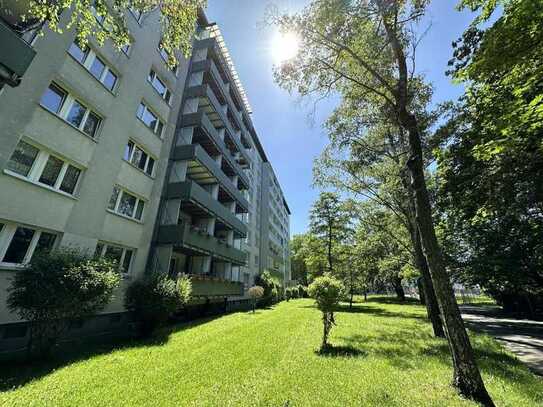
(340, 351)
(16, 374)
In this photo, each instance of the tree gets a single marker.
(326, 291)
(58, 288)
(106, 20)
(367, 46)
(491, 160)
(298, 265)
(329, 220)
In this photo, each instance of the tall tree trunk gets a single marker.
(397, 284)
(330, 248)
(467, 377)
(422, 295)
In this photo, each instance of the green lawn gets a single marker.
(385, 356)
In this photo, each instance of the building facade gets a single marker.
(113, 153)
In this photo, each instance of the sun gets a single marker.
(284, 46)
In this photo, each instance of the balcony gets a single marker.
(204, 170)
(209, 103)
(198, 202)
(197, 243)
(203, 286)
(15, 57)
(207, 136)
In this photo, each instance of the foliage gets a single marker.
(302, 291)
(57, 288)
(255, 292)
(155, 298)
(327, 292)
(491, 160)
(178, 20)
(272, 288)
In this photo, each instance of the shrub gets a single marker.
(327, 292)
(255, 293)
(58, 288)
(302, 291)
(155, 298)
(271, 286)
(288, 294)
(294, 292)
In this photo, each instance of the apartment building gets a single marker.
(113, 153)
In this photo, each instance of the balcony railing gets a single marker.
(204, 286)
(189, 191)
(15, 54)
(198, 242)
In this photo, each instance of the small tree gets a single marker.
(271, 286)
(255, 293)
(326, 291)
(155, 298)
(58, 288)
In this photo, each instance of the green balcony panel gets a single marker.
(189, 191)
(200, 243)
(15, 55)
(209, 287)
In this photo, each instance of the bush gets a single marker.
(288, 294)
(58, 288)
(302, 291)
(255, 293)
(155, 298)
(327, 292)
(271, 286)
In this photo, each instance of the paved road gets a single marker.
(523, 337)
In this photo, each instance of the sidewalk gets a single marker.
(523, 337)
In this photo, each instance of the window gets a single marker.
(150, 119)
(166, 57)
(21, 242)
(99, 17)
(126, 204)
(53, 98)
(94, 64)
(126, 49)
(137, 156)
(136, 13)
(122, 255)
(159, 86)
(44, 168)
(71, 110)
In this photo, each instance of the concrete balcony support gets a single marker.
(171, 212)
(185, 136)
(196, 78)
(191, 105)
(162, 258)
(199, 54)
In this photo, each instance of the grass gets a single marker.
(481, 300)
(383, 355)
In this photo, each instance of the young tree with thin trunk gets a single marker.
(368, 47)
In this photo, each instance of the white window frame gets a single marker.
(89, 60)
(66, 106)
(149, 155)
(6, 236)
(105, 246)
(36, 170)
(167, 96)
(159, 120)
(115, 210)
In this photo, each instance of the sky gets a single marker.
(291, 130)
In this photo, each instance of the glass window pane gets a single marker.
(113, 199)
(159, 129)
(139, 210)
(97, 68)
(53, 98)
(92, 124)
(150, 166)
(70, 179)
(127, 260)
(151, 76)
(23, 158)
(127, 204)
(79, 53)
(142, 161)
(128, 150)
(168, 96)
(114, 253)
(149, 119)
(110, 80)
(126, 49)
(141, 110)
(76, 114)
(46, 241)
(51, 171)
(19, 245)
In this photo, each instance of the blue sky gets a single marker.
(291, 130)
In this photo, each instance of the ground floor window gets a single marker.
(18, 243)
(123, 256)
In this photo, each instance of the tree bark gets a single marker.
(400, 293)
(466, 377)
(422, 295)
(330, 248)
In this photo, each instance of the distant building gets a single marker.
(115, 154)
